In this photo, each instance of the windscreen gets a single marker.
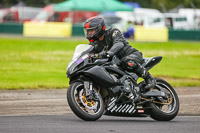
(80, 49)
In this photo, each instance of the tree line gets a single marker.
(162, 5)
(166, 5)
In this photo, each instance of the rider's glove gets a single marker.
(103, 54)
(110, 54)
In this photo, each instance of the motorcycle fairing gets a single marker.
(100, 75)
(126, 109)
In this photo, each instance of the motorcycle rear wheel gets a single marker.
(88, 110)
(165, 112)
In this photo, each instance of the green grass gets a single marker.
(41, 63)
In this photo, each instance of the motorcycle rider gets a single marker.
(113, 41)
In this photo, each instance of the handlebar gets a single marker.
(97, 58)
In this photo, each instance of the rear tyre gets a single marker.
(88, 110)
(170, 106)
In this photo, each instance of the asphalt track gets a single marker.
(46, 111)
(53, 102)
(71, 124)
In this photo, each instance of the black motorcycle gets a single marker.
(100, 86)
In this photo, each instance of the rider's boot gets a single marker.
(143, 73)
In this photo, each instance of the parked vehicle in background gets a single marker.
(144, 16)
(177, 21)
(149, 17)
(112, 20)
(193, 17)
(126, 21)
(49, 15)
(18, 14)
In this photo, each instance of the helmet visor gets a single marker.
(91, 32)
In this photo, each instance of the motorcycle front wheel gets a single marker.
(84, 108)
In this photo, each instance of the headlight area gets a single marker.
(76, 63)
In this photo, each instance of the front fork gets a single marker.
(88, 89)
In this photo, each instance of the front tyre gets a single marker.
(86, 109)
(165, 109)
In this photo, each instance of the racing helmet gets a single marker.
(94, 28)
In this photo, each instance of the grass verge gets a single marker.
(41, 63)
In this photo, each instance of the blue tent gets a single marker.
(132, 4)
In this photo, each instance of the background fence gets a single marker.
(77, 30)
(184, 35)
(11, 28)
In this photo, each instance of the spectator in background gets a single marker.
(129, 29)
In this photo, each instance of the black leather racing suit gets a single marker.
(116, 43)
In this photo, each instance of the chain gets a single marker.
(169, 101)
